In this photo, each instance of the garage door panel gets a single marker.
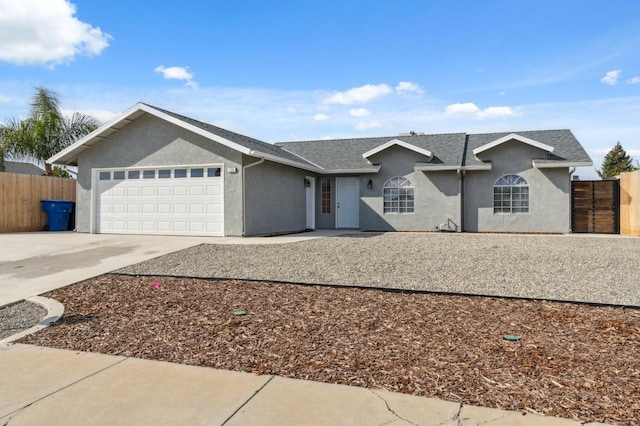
(196, 190)
(164, 191)
(164, 208)
(134, 191)
(176, 203)
(180, 191)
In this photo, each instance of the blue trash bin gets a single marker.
(57, 214)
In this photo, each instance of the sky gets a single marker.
(305, 70)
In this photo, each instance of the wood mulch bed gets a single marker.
(575, 361)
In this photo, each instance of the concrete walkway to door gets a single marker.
(36, 262)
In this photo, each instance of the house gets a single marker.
(154, 171)
(22, 168)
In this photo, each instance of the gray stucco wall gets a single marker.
(549, 193)
(437, 198)
(150, 141)
(275, 198)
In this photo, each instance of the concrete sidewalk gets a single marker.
(58, 387)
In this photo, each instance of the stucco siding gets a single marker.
(275, 199)
(549, 193)
(436, 194)
(150, 141)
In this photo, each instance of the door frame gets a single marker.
(339, 182)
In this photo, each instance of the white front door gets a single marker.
(347, 202)
(311, 202)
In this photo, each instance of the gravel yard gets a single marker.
(573, 360)
(19, 316)
(558, 267)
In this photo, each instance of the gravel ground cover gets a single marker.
(573, 360)
(557, 267)
(19, 316)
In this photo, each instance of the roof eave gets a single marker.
(561, 164)
(376, 169)
(436, 168)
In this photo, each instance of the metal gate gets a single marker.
(595, 206)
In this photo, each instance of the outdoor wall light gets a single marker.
(370, 184)
(307, 183)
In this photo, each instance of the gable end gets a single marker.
(513, 137)
(398, 142)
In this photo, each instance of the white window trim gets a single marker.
(412, 187)
(511, 212)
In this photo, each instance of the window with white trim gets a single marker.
(510, 195)
(397, 195)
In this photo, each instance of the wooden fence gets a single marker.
(20, 195)
(630, 203)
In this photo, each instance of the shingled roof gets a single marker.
(567, 151)
(448, 151)
(346, 154)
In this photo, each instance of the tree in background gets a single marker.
(615, 162)
(45, 132)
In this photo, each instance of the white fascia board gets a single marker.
(351, 171)
(436, 168)
(511, 137)
(481, 167)
(284, 161)
(559, 165)
(398, 142)
(69, 151)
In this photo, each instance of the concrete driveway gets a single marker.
(36, 262)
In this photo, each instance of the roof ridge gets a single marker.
(369, 138)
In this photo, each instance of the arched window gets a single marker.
(510, 195)
(397, 195)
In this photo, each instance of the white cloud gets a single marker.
(364, 125)
(611, 78)
(360, 94)
(490, 112)
(406, 87)
(465, 108)
(359, 112)
(177, 73)
(4, 99)
(497, 112)
(46, 32)
(321, 117)
(634, 80)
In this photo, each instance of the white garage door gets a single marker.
(163, 200)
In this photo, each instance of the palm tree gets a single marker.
(45, 132)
